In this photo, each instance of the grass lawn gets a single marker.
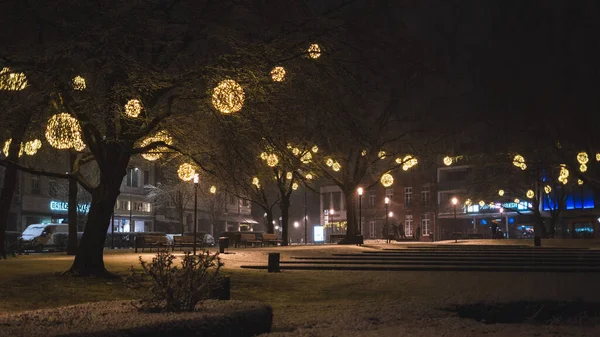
(324, 303)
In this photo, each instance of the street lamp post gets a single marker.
(131, 225)
(387, 201)
(196, 181)
(305, 219)
(360, 193)
(454, 203)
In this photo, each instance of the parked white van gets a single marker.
(40, 236)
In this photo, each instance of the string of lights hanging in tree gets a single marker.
(564, 174)
(278, 74)
(64, 132)
(79, 83)
(156, 153)
(12, 81)
(29, 148)
(133, 108)
(186, 171)
(256, 182)
(408, 162)
(228, 97)
(519, 161)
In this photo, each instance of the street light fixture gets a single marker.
(454, 203)
(387, 201)
(196, 181)
(360, 193)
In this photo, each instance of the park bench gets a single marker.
(334, 238)
(270, 239)
(185, 241)
(251, 239)
(150, 241)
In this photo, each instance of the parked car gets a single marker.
(49, 236)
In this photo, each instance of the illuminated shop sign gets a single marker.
(508, 206)
(64, 206)
(318, 234)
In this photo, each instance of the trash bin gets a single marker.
(223, 243)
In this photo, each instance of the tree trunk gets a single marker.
(269, 228)
(538, 230)
(89, 259)
(351, 223)
(8, 190)
(72, 212)
(284, 205)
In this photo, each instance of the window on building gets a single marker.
(35, 185)
(372, 195)
(337, 200)
(147, 207)
(53, 187)
(231, 200)
(425, 195)
(244, 202)
(146, 177)
(425, 223)
(389, 193)
(371, 229)
(408, 224)
(133, 178)
(408, 196)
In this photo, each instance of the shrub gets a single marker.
(175, 288)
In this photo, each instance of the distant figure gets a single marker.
(401, 233)
(494, 230)
(417, 233)
(391, 232)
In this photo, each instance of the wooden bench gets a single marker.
(154, 241)
(333, 238)
(271, 239)
(185, 241)
(246, 239)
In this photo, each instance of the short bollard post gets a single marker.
(273, 262)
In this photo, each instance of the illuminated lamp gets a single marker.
(547, 189)
(517, 201)
(255, 182)
(306, 158)
(79, 83)
(336, 166)
(294, 186)
(289, 175)
(381, 154)
(64, 132)
(530, 194)
(329, 162)
(315, 149)
(579, 182)
(186, 172)
(278, 74)
(32, 146)
(582, 158)
(133, 108)
(387, 180)
(314, 51)
(272, 160)
(447, 161)
(481, 203)
(583, 167)
(213, 189)
(501, 192)
(309, 176)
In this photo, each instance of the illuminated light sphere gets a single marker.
(597, 156)
(563, 180)
(564, 173)
(228, 97)
(547, 189)
(336, 166)
(309, 176)
(294, 186)
(255, 182)
(447, 161)
(582, 158)
(387, 180)
(155, 154)
(409, 161)
(468, 202)
(519, 161)
(517, 200)
(579, 182)
(381, 154)
(306, 158)
(272, 160)
(501, 192)
(263, 156)
(583, 167)
(296, 151)
(481, 203)
(530, 194)
(289, 175)
(186, 172)
(314, 51)
(398, 160)
(315, 149)
(278, 74)
(32, 146)
(213, 189)
(6, 147)
(64, 132)
(363, 153)
(329, 162)
(79, 83)
(492, 205)
(133, 108)
(12, 81)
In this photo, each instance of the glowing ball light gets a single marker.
(296, 151)
(213, 189)
(447, 161)
(79, 83)
(409, 161)
(186, 172)
(582, 158)
(329, 162)
(278, 74)
(306, 158)
(387, 180)
(263, 156)
(597, 156)
(583, 167)
(468, 202)
(381, 154)
(530, 194)
(517, 201)
(255, 182)
(519, 161)
(501, 192)
(314, 51)
(363, 153)
(579, 182)
(12, 81)
(315, 149)
(133, 108)
(336, 166)
(309, 176)
(228, 97)
(481, 203)
(64, 132)
(155, 154)
(547, 189)
(294, 186)
(32, 146)
(272, 160)
(289, 175)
